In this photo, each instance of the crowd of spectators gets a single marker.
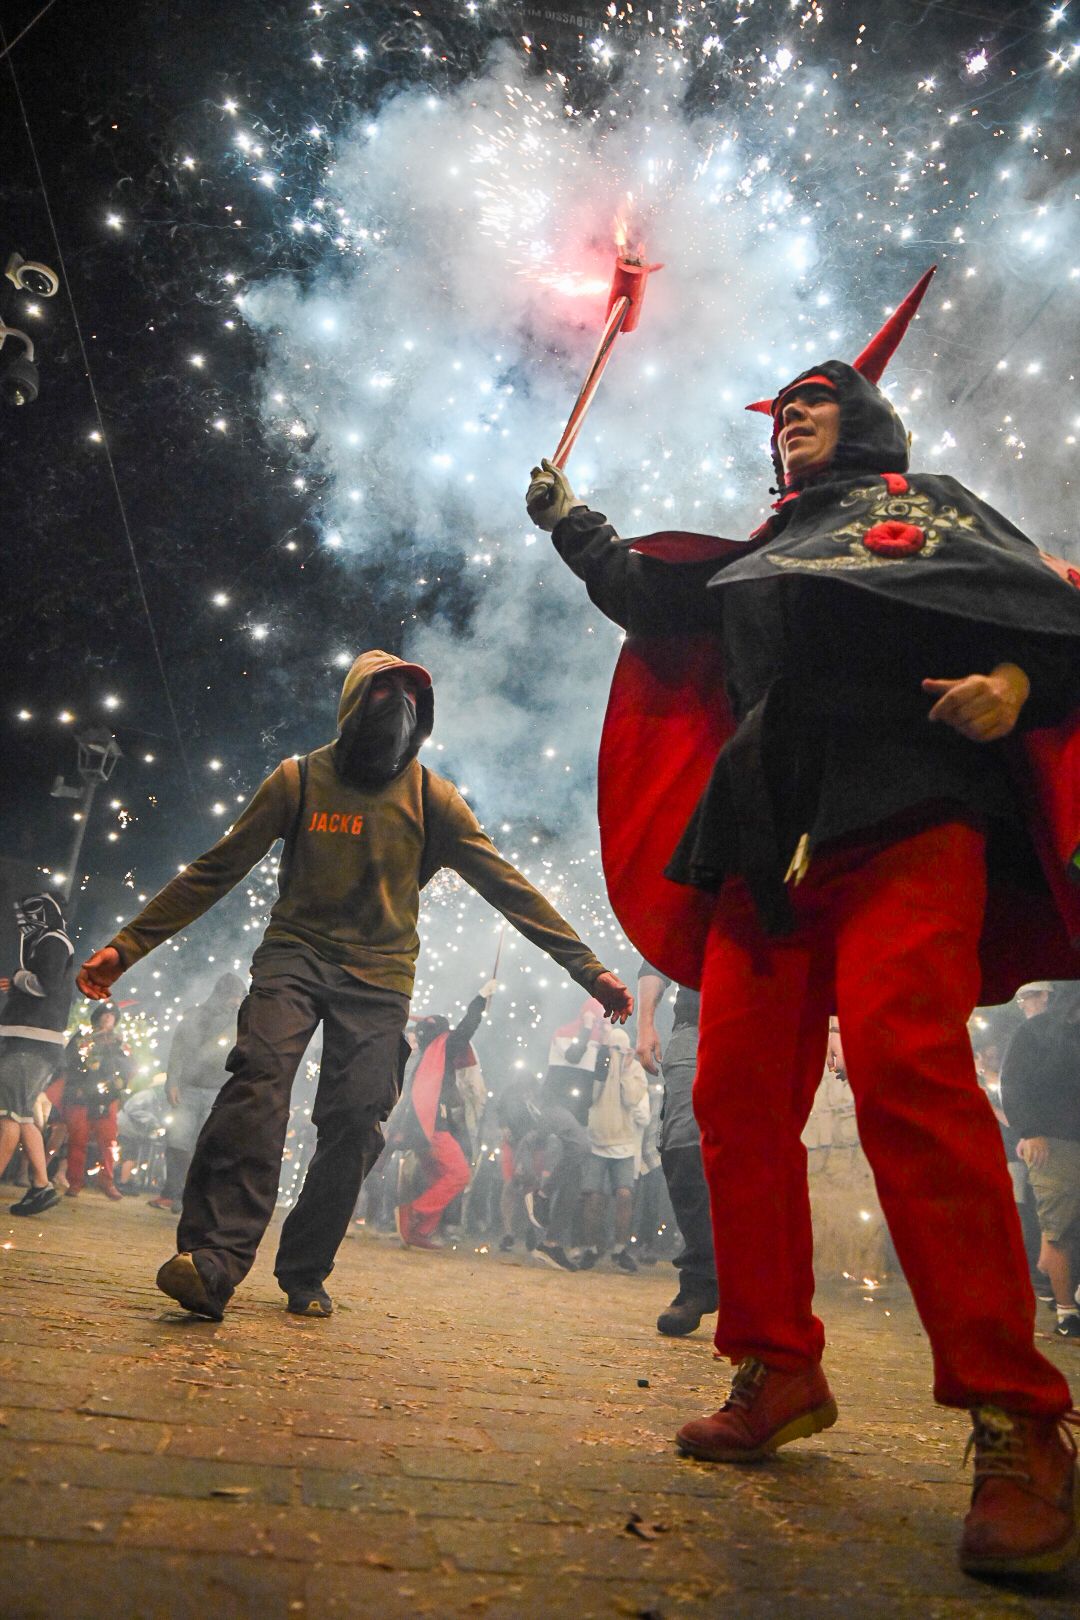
(596, 1161)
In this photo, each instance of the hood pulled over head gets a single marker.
(428, 1028)
(872, 436)
(36, 916)
(380, 733)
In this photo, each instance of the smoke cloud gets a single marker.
(432, 356)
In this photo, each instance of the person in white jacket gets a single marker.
(617, 1119)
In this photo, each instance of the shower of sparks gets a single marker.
(451, 233)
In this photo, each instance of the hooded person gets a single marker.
(196, 1073)
(364, 828)
(577, 1056)
(808, 805)
(443, 1097)
(32, 1024)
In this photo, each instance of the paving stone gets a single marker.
(146, 1475)
(32, 1511)
(72, 1428)
(251, 1530)
(147, 1586)
(281, 1445)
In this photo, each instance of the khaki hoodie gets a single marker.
(355, 861)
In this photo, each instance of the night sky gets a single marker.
(219, 606)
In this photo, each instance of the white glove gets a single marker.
(549, 496)
(489, 989)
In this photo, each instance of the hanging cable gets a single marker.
(125, 525)
(24, 31)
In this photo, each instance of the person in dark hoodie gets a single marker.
(365, 827)
(803, 787)
(195, 1075)
(32, 1024)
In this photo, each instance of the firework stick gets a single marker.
(615, 322)
(623, 313)
(498, 952)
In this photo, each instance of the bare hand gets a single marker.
(1034, 1150)
(99, 973)
(614, 997)
(983, 708)
(172, 1095)
(5, 986)
(648, 1050)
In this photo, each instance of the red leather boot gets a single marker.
(765, 1410)
(1025, 1508)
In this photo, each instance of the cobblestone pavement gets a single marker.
(468, 1435)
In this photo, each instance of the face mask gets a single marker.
(371, 752)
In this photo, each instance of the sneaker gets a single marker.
(197, 1291)
(684, 1315)
(309, 1302)
(553, 1254)
(1022, 1519)
(623, 1260)
(160, 1202)
(1068, 1327)
(587, 1259)
(765, 1410)
(28, 1193)
(506, 1242)
(36, 1201)
(72, 1192)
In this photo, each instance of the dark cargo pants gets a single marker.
(680, 1155)
(232, 1184)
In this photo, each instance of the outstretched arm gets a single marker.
(459, 1037)
(195, 889)
(461, 844)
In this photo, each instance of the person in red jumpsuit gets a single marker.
(432, 1119)
(840, 738)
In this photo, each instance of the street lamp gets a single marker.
(99, 753)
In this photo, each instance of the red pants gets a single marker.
(889, 930)
(451, 1169)
(80, 1127)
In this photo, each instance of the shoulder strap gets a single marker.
(296, 771)
(426, 873)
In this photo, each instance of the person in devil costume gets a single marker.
(798, 830)
(433, 1121)
(365, 827)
